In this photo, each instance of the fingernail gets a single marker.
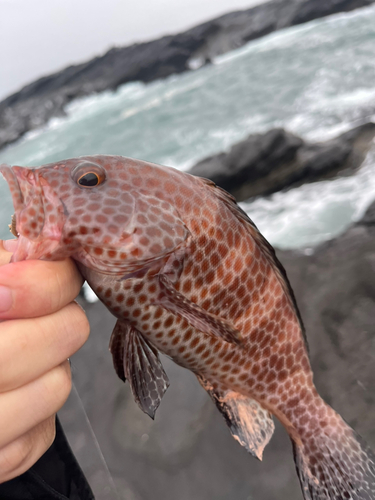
(9, 245)
(5, 299)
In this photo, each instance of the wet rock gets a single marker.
(369, 218)
(188, 451)
(254, 166)
(265, 163)
(335, 290)
(46, 97)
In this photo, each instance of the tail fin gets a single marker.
(335, 464)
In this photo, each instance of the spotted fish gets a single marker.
(187, 273)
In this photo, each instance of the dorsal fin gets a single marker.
(266, 248)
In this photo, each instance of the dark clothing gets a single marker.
(56, 476)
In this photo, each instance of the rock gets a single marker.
(188, 451)
(335, 290)
(46, 97)
(265, 163)
(369, 218)
(251, 166)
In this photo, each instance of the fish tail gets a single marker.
(333, 462)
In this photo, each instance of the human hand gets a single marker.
(40, 327)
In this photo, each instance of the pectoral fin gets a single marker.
(143, 369)
(250, 424)
(138, 361)
(176, 303)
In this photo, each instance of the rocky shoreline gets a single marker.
(265, 163)
(187, 452)
(47, 97)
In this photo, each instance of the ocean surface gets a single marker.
(316, 80)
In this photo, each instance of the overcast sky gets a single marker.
(38, 37)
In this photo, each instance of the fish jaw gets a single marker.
(14, 187)
(39, 214)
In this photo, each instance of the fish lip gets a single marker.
(14, 186)
(17, 197)
(26, 248)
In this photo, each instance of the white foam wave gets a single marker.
(313, 213)
(96, 102)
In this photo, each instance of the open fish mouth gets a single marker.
(37, 238)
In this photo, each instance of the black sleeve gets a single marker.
(55, 476)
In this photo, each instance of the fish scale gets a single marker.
(187, 273)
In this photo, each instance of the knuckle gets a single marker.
(61, 284)
(14, 458)
(58, 386)
(70, 329)
(77, 326)
(65, 379)
(14, 341)
(21, 454)
(67, 280)
(83, 324)
(75, 277)
(48, 433)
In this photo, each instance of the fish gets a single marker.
(188, 274)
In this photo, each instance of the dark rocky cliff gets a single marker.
(45, 98)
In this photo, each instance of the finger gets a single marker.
(31, 347)
(31, 404)
(35, 288)
(10, 245)
(5, 253)
(18, 456)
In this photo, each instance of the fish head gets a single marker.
(104, 211)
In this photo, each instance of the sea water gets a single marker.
(316, 80)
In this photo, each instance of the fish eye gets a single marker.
(88, 175)
(90, 179)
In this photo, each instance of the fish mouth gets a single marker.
(29, 190)
(15, 189)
